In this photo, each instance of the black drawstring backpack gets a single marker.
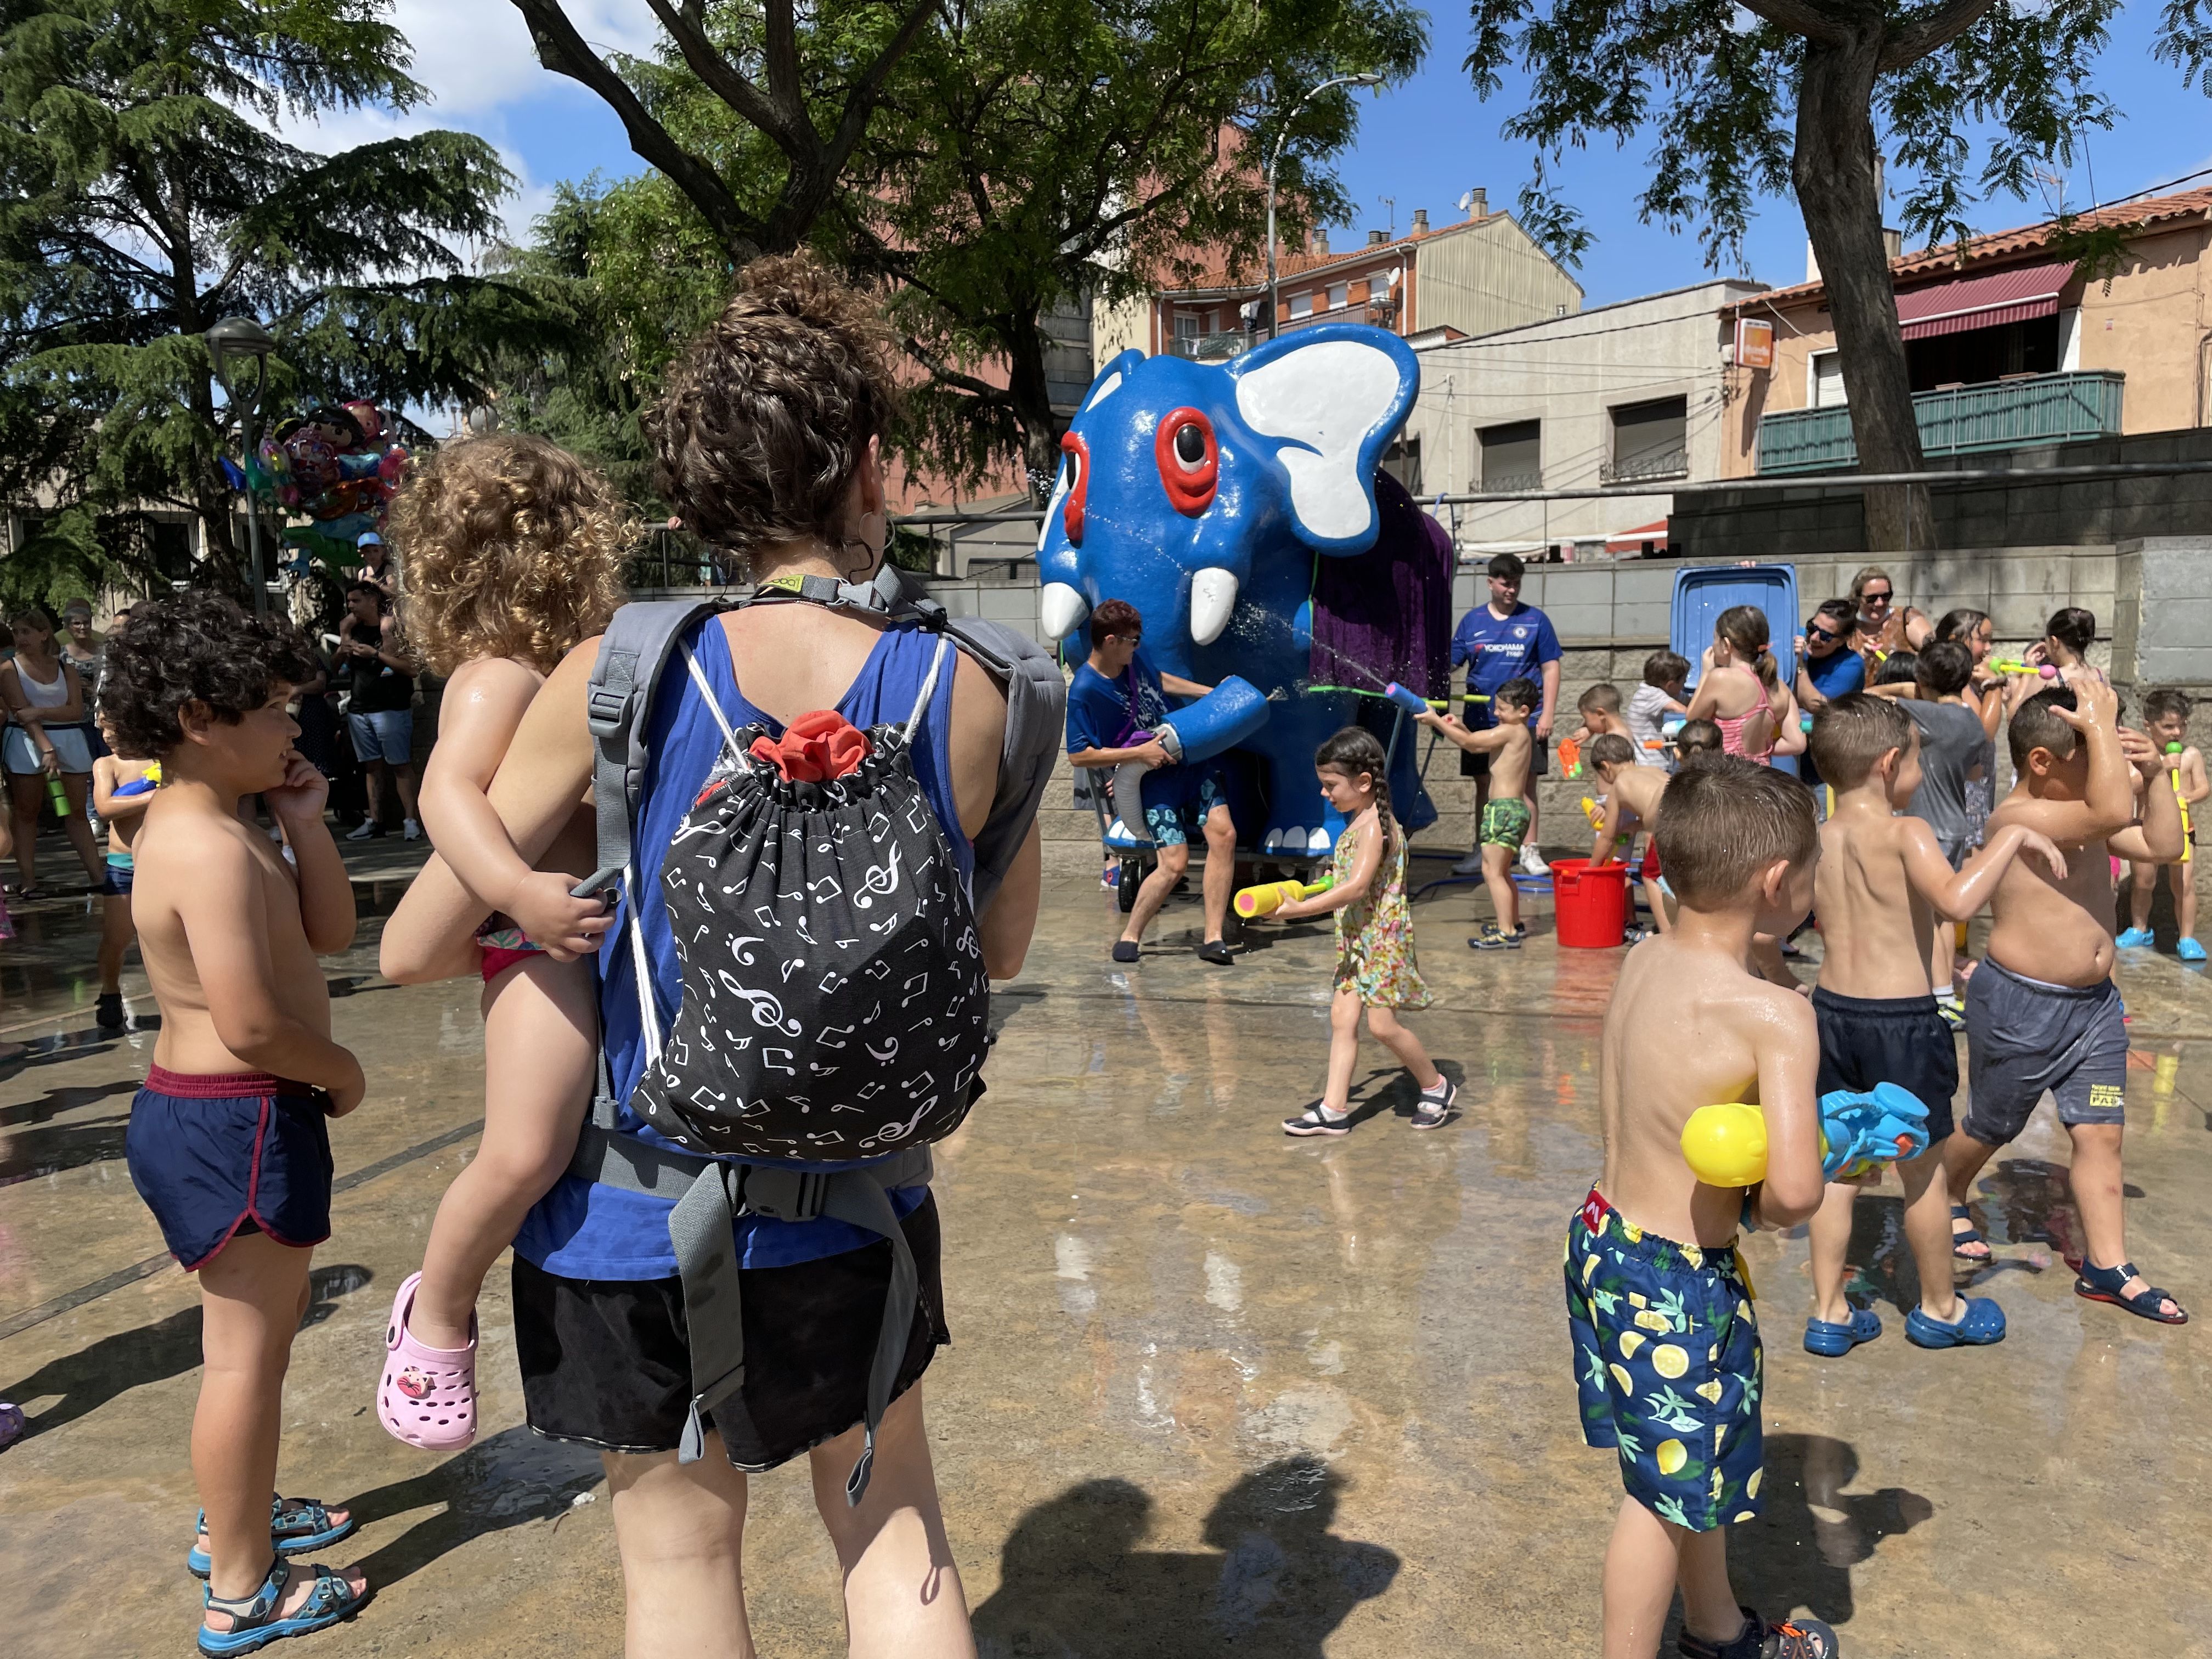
(835, 1003)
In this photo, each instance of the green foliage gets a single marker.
(632, 272)
(1718, 100)
(1020, 153)
(1032, 151)
(149, 195)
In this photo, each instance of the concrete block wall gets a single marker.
(1803, 523)
(2153, 598)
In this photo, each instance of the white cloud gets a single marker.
(476, 62)
(475, 55)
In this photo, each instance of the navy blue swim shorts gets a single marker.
(214, 1157)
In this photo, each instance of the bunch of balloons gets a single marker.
(332, 464)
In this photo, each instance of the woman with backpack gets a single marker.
(818, 863)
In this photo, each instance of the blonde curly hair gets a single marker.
(507, 546)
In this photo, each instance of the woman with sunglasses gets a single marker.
(1885, 626)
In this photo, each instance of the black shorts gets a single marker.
(1478, 766)
(1901, 1040)
(606, 1361)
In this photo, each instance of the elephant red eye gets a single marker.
(1078, 484)
(1189, 459)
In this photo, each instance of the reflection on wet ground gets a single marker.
(1213, 1392)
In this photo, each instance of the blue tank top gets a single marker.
(583, 1230)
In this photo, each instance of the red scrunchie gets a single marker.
(816, 747)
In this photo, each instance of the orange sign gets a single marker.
(1755, 342)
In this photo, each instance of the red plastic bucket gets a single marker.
(1593, 903)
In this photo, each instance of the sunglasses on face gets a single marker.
(1872, 598)
(1829, 635)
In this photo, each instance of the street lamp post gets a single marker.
(1276, 155)
(232, 343)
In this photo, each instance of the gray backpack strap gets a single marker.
(1037, 721)
(618, 704)
(710, 1194)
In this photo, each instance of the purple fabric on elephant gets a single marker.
(1385, 615)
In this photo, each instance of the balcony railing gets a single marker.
(1511, 483)
(1645, 468)
(2041, 408)
(1212, 348)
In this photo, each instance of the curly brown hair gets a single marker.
(508, 546)
(772, 408)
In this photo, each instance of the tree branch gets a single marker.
(1938, 29)
(1799, 17)
(982, 391)
(564, 51)
(720, 77)
(860, 102)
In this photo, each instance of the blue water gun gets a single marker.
(1859, 1133)
(141, 786)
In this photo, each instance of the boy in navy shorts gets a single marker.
(1886, 889)
(1667, 1356)
(2042, 1012)
(227, 1142)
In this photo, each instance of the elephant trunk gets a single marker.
(1231, 713)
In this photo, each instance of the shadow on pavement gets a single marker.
(1274, 1580)
(112, 1366)
(504, 1480)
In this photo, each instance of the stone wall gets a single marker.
(1817, 518)
(2153, 598)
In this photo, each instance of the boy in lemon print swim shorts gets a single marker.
(1666, 1355)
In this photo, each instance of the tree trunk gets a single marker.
(1834, 169)
(211, 498)
(1032, 406)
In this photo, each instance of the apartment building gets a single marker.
(2010, 344)
(1479, 275)
(1625, 398)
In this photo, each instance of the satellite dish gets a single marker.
(1466, 201)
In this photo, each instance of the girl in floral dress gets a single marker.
(1375, 965)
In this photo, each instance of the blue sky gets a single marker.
(1425, 144)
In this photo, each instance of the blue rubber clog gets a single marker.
(1981, 1323)
(1831, 1340)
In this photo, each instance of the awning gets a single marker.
(2012, 295)
(1627, 544)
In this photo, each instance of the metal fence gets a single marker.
(2041, 408)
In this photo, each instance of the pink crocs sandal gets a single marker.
(428, 1396)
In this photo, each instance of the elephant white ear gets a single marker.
(1333, 394)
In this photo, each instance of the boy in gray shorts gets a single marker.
(2042, 1012)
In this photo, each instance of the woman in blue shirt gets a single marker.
(767, 444)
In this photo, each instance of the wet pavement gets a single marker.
(1212, 1391)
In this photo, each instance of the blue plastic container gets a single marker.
(1702, 591)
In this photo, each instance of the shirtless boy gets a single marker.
(1599, 707)
(227, 1143)
(2166, 713)
(120, 813)
(1631, 802)
(1506, 814)
(1884, 880)
(2042, 1012)
(1667, 1354)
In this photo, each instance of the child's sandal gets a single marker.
(1971, 1235)
(255, 1623)
(2103, 1285)
(1431, 1112)
(297, 1526)
(428, 1396)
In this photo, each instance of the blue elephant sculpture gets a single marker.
(1239, 507)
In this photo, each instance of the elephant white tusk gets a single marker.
(1212, 596)
(1062, 611)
